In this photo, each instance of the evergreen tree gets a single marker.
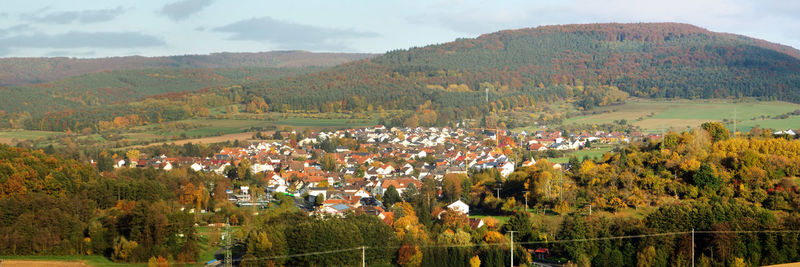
(391, 196)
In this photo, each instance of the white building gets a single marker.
(459, 206)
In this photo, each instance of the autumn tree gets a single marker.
(716, 130)
(451, 186)
(328, 162)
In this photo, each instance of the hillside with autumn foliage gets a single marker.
(587, 65)
(591, 63)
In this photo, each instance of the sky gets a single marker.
(91, 28)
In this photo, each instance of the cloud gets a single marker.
(19, 28)
(289, 35)
(84, 16)
(473, 18)
(183, 9)
(73, 40)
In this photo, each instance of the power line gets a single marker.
(539, 242)
(603, 238)
(463, 246)
(307, 254)
(362, 248)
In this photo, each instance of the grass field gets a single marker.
(654, 115)
(792, 122)
(501, 219)
(206, 127)
(8, 137)
(66, 261)
(206, 254)
(595, 153)
(217, 130)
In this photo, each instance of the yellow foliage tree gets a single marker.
(494, 237)
(475, 261)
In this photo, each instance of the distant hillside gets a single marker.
(18, 71)
(590, 63)
(112, 87)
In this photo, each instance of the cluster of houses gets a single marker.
(375, 159)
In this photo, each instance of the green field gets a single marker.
(792, 122)
(206, 253)
(215, 127)
(655, 115)
(501, 219)
(595, 153)
(93, 260)
(11, 136)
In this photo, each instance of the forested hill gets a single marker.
(588, 62)
(18, 71)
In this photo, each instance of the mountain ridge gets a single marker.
(33, 70)
(588, 65)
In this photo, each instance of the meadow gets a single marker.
(657, 115)
(13, 136)
(595, 153)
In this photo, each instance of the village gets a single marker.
(345, 171)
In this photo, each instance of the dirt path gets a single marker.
(27, 263)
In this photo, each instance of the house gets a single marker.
(387, 217)
(386, 169)
(167, 166)
(197, 166)
(786, 132)
(537, 147)
(459, 206)
(528, 163)
(506, 168)
(400, 184)
(476, 223)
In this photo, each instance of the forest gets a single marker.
(734, 197)
(53, 206)
(589, 65)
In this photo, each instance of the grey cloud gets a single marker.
(479, 20)
(289, 35)
(19, 28)
(84, 16)
(183, 9)
(80, 40)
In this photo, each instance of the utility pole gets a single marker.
(363, 259)
(228, 256)
(512, 248)
(561, 185)
(498, 190)
(590, 209)
(692, 247)
(526, 200)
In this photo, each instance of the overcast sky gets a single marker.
(84, 28)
